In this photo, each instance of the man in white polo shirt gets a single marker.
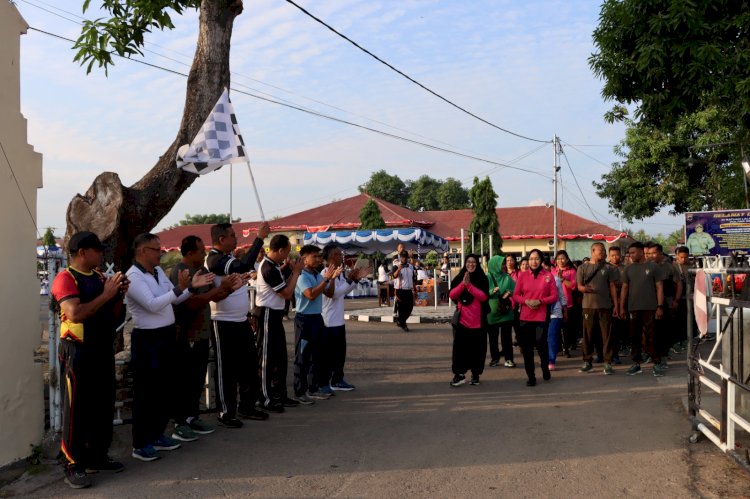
(150, 298)
(405, 278)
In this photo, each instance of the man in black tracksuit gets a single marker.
(236, 354)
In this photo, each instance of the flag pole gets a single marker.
(257, 197)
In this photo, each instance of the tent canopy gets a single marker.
(380, 240)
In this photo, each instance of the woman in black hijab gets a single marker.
(470, 290)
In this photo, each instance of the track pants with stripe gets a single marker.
(272, 355)
(152, 364)
(88, 396)
(236, 367)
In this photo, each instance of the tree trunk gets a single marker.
(117, 213)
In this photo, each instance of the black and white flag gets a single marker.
(218, 142)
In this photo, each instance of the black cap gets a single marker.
(404, 253)
(84, 240)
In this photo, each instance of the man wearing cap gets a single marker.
(89, 305)
(153, 344)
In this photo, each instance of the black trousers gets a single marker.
(272, 355)
(88, 395)
(404, 304)
(571, 327)
(191, 364)
(642, 335)
(533, 335)
(469, 350)
(504, 333)
(336, 337)
(310, 363)
(236, 367)
(152, 364)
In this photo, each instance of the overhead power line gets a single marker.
(579, 186)
(322, 115)
(412, 79)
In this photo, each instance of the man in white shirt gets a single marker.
(333, 316)
(150, 298)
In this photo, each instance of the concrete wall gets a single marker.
(21, 389)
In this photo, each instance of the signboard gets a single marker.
(718, 232)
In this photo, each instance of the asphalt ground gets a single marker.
(404, 432)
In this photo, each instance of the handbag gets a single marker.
(456, 319)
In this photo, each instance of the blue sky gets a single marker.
(519, 64)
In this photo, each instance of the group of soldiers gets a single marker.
(176, 318)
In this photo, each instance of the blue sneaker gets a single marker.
(342, 386)
(327, 390)
(166, 443)
(147, 453)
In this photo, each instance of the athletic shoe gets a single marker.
(586, 367)
(166, 443)
(184, 433)
(616, 360)
(272, 407)
(287, 402)
(658, 371)
(147, 453)
(458, 380)
(634, 369)
(646, 359)
(546, 375)
(510, 363)
(531, 382)
(305, 400)
(327, 390)
(663, 365)
(551, 367)
(200, 427)
(229, 422)
(474, 380)
(608, 369)
(106, 464)
(342, 386)
(77, 479)
(253, 414)
(494, 363)
(319, 395)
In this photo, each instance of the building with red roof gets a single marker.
(522, 228)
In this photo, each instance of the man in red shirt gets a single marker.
(89, 306)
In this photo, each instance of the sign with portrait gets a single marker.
(718, 232)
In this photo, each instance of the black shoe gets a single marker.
(458, 380)
(254, 414)
(106, 464)
(272, 407)
(546, 375)
(405, 328)
(229, 421)
(287, 402)
(531, 382)
(76, 478)
(474, 380)
(494, 363)
(566, 353)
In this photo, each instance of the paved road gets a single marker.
(405, 433)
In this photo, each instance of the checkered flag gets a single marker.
(218, 142)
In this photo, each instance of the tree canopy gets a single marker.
(48, 239)
(684, 68)
(425, 193)
(211, 218)
(483, 203)
(370, 217)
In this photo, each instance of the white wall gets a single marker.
(21, 389)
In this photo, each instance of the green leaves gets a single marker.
(483, 203)
(370, 217)
(123, 32)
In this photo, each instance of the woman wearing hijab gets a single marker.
(469, 290)
(566, 273)
(535, 289)
(501, 318)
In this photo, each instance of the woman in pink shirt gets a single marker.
(511, 267)
(566, 273)
(469, 290)
(535, 290)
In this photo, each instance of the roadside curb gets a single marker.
(414, 319)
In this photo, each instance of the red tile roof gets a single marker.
(527, 222)
(524, 222)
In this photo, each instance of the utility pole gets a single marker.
(556, 147)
